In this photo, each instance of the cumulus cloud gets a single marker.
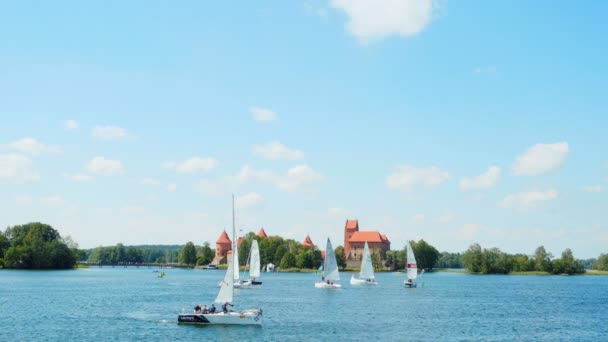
(17, 168)
(33, 147)
(23, 200)
(371, 19)
(277, 151)
(192, 165)
(468, 231)
(150, 181)
(407, 178)
(262, 115)
(447, 218)
(487, 70)
(171, 186)
(297, 178)
(78, 177)
(109, 133)
(541, 158)
(70, 124)
(485, 180)
(105, 167)
(593, 188)
(527, 200)
(249, 200)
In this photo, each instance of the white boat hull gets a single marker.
(362, 282)
(408, 284)
(325, 285)
(247, 317)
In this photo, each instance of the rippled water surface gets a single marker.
(118, 304)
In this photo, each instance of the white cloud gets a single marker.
(297, 178)
(262, 115)
(593, 188)
(339, 212)
(105, 167)
(78, 177)
(132, 209)
(52, 200)
(171, 186)
(16, 168)
(418, 218)
(277, 151)
(70, 124)
(380, 18)
(527, 200)
(192, 165)
(485, 180)
(109, 133)
(24, 199)
(33, 147)
(150, 182)
(249, 200)
(447, 218)
(540, 159)
(407, 178)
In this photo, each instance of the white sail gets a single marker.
(331, 265)
(367, 269)
(254, 264)
(412, 268)
(227, 286)
(235, 259)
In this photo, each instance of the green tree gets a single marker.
(472, 258)
(187, 254)
(426, 255)
(602, 263)
(340, 258)
(35, 246)
(304, 260)
(288, 261)
(542, 260)
(204, 254)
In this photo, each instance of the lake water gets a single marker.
(118, 304)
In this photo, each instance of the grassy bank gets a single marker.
(596, 272)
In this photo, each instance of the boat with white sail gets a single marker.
(366, 274)
(254, 267)
(225, 300)
(331, 274)
(412, 267)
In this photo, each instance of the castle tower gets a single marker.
(308, 242)
(351, 227)
(223, 245)
(262, 233)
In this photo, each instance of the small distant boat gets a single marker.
(412, 267)
(225, 298)
(212, 267)
(160, 274)
(366, 275)
(331, 274)
(270, 267)
(254, 267)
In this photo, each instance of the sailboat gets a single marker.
(331, 275)
(254, 267)
(412, 268)
(366, 275)
(224, 299)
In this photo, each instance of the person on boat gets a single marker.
(212, 309)
(225, 307)
(205, 310)
(197, 309)
(328, 282)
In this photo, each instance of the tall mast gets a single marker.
(233, 227)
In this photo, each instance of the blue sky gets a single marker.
(456, 122)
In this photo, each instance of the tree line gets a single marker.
(494, 261)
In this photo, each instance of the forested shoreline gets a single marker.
(39, 246)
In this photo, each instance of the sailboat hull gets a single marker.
(362, 282)
(249, 284)
(248, 317)
(409, 285)
(325, 285)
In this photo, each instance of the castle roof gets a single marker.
(308, 242)
(262, 233)
(368, 237)
(223, 238)
(352, 224)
